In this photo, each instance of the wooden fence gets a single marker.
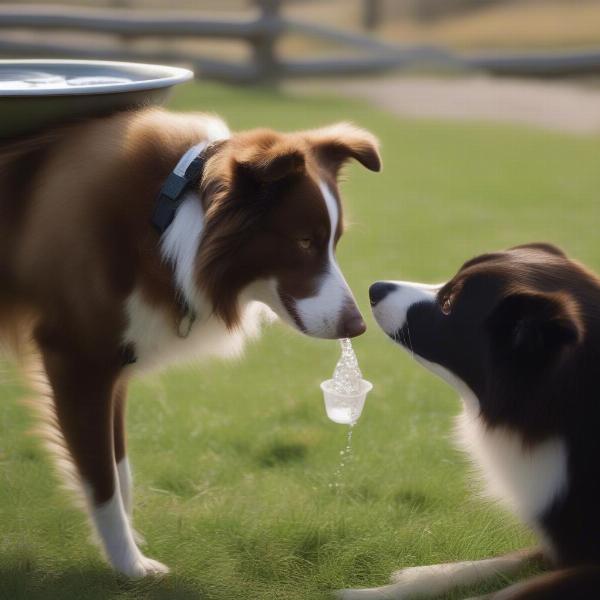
(261, 32)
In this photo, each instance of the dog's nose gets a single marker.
(354, 327)
(352, 324)
(379, 290)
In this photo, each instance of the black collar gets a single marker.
(188, 172)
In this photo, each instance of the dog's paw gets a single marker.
(153, 567)
(142, 566)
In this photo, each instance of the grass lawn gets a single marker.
(233, 461)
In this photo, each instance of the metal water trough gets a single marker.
(36, 93)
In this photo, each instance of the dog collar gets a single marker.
(187, 172)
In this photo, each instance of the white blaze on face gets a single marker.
(391, 311)
(321, 314)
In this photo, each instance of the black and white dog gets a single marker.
(517, 334)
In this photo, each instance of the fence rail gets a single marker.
(261, 31)
(131, 23)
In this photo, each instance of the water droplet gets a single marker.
(346, 457)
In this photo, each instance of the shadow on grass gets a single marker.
(21, 582)
(412, 500)
(281, 453)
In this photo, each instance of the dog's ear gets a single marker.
(534, 327)
(336, 144)
(268, 163)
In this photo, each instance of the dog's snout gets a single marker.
(379, 290)
(354, 327)
(352, 323)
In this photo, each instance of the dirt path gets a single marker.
(559, 106)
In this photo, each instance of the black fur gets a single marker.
(522, 329)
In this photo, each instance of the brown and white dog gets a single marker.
(517, 335)
(99, 294)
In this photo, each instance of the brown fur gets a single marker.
(259, 165)
(76, 241)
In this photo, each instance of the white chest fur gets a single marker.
(157, 345)
(152, 330)
(527, 479)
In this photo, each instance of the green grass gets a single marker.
(233, 461)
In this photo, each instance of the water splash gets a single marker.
(347, 376)
(347, 383)
(345, 393)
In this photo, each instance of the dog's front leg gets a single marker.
(120, 442)
(431, 581)
(83, 392)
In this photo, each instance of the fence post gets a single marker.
(372, 13)
(264, 47)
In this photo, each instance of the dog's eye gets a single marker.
(305, 243)
(447, 305)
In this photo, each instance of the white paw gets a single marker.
(142, 566)
(153, 567)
